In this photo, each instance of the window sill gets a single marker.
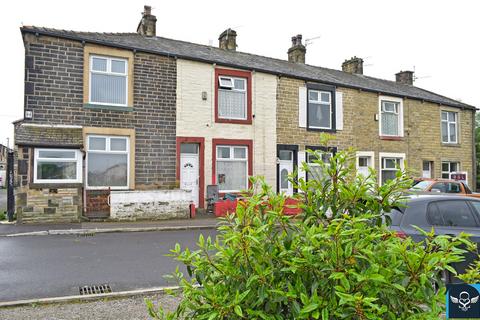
(233, 121)
(321, 130)
(453, 145)
(388, 138)
(56, 185)
(106, 107)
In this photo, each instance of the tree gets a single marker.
(338, 260)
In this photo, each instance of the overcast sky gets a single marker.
(440, 39)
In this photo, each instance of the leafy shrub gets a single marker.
(338, 260)
(2, 216)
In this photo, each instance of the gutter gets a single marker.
(231, 65)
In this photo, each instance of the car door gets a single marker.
(453, 216)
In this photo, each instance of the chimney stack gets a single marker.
(228, 40)
(405, 77)
(147, 26)
(354, 65)
(297, 52)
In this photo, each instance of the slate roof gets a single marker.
(242, 60)
(51, 136)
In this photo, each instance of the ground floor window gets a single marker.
(449, 166)
(390, 163)
(58, 166)
(316, 170)
(108, 162)
(232, 168)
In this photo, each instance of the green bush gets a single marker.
(2, 216)
(338, 260)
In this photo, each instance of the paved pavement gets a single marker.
(50, 266)
(203, 220)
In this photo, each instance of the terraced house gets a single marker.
(132, 125)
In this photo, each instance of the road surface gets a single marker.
(51, 266)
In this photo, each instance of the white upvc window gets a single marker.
(449, 166)
(390, 163)
(108, 81)
(232, 168)
(108, 162)
(57, 166)
(365, 161)
(449, 127)
(232, 98)
(391, 116)
(316, 170)
(319, 109)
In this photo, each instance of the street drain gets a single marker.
(95, 289)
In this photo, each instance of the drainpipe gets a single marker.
(84, 189)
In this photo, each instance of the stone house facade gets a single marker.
(123, 125)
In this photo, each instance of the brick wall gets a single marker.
(54, 92)
(422, 140)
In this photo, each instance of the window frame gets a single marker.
(365, 154)
(234, 74)
(108, 72)
(232, 158)
(382, 99)
(388, 155)
(449, 168)
(456, 122)
(325, 150)
(107, 151)
(322, 88)
(78, 160)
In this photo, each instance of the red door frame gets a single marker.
(231, 142)
(201, 166)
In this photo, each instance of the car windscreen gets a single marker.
(420, 186)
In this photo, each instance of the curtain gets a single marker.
(231, 104)
(389, 123)
(232, 175)
(107, 88)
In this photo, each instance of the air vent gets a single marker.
(95, 289)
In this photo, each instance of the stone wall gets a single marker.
(422, 129)
(48, 205)
(55, 94)
(151, 204)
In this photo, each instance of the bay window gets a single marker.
(231, 168)
(57, 166)
(108, 81)
(108, 162)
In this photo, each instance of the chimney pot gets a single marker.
(405, 77)
(297, 52)
(147, 26)
(354, 65)
(228, 40)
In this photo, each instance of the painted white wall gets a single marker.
(196, 117)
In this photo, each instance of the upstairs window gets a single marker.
(108, 81)
(319, 113)
(58, 166)
(449, 127)
(232, 98)
(391, 117)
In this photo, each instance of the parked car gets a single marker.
(443, 186)
(448, 215)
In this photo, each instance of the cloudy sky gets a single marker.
(438, 39)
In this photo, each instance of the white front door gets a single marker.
(427, 169)
(285, 168)
(189, 174)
